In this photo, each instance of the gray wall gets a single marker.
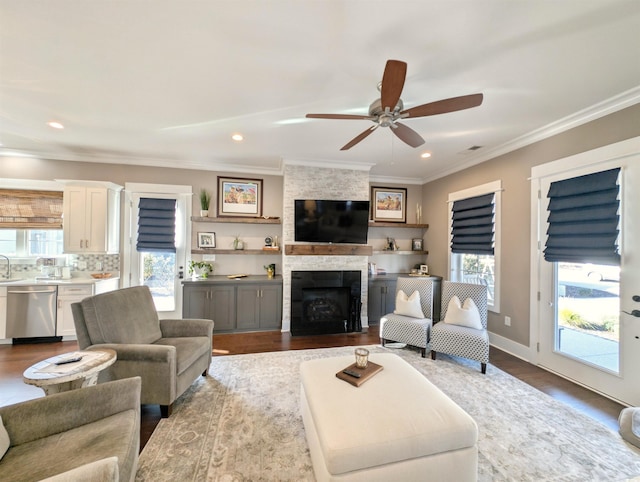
(514, 169)
(42, 169)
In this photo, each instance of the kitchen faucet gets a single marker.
(8, 265)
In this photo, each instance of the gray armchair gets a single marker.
(460, 340)
(167, 354)
(87, 434)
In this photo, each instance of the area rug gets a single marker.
(242, 423)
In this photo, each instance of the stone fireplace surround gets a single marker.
(304, 180)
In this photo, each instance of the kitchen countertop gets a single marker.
(33, 281)
(219, 279)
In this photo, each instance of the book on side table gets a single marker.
(357, 376)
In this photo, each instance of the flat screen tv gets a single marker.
(330, 221)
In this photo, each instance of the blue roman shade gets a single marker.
(156, 225)
(472, 227)
(583, 219)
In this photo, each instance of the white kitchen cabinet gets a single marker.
(66, 296)
(74, 293)
(91, 217)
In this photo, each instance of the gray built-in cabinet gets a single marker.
(382, 297)
(253, 303)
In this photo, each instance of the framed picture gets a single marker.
(239, 197)
(389, 204)
(416, 244)
(206, 240)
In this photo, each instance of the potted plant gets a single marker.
(271, 270)
(200, 269)
(205, 201)
(237, 242)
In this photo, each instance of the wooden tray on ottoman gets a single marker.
(365, 373)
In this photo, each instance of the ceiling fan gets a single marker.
(388, 110)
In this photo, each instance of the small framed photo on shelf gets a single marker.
(206, 240)
(417, 244)
(389, 204)
(239, 197)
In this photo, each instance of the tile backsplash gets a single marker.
(79, 263)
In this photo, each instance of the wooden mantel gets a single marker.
(328, 250)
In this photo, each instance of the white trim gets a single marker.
(78, 182)
(578, 164)
(30, 184)
(493, 186)
(516, 349)
(354, 166)
(586, 159)
(396, 180)
(157, 188)
(487, 188)
(623, 154)
(131, 188)
(601, 109)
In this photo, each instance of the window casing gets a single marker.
(479, 268)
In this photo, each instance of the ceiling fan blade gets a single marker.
(407, 135)
(337, 116)
(358, 138)
(392, 83)
(443, 106)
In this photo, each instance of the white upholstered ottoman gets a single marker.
(395, 426)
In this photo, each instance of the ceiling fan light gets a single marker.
(237, 137)
(55, 125)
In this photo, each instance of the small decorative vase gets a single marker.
(270, 273)
(204, 213)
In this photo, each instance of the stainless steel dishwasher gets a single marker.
(31, 311)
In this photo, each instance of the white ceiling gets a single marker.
(168, 82)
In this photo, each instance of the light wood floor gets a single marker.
(14, 359)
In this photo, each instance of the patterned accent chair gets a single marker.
(460, 340)
(406, 329)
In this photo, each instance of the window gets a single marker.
(474, 250)
(31, 242)
(30, 222)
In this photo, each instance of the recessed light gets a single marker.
(55, 125)
(237, 137)
(425, 155)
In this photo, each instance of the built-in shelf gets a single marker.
(377, 224)
(406, 252)
(236, 251)
(199, 219)
(327, 250)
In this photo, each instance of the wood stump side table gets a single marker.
(54, 378)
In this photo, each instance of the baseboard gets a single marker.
(512, 348)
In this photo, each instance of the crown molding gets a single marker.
(397, 180)
(354, 166)
(626, 99)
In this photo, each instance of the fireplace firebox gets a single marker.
(325, 302)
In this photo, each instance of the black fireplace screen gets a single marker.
(326, 304)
